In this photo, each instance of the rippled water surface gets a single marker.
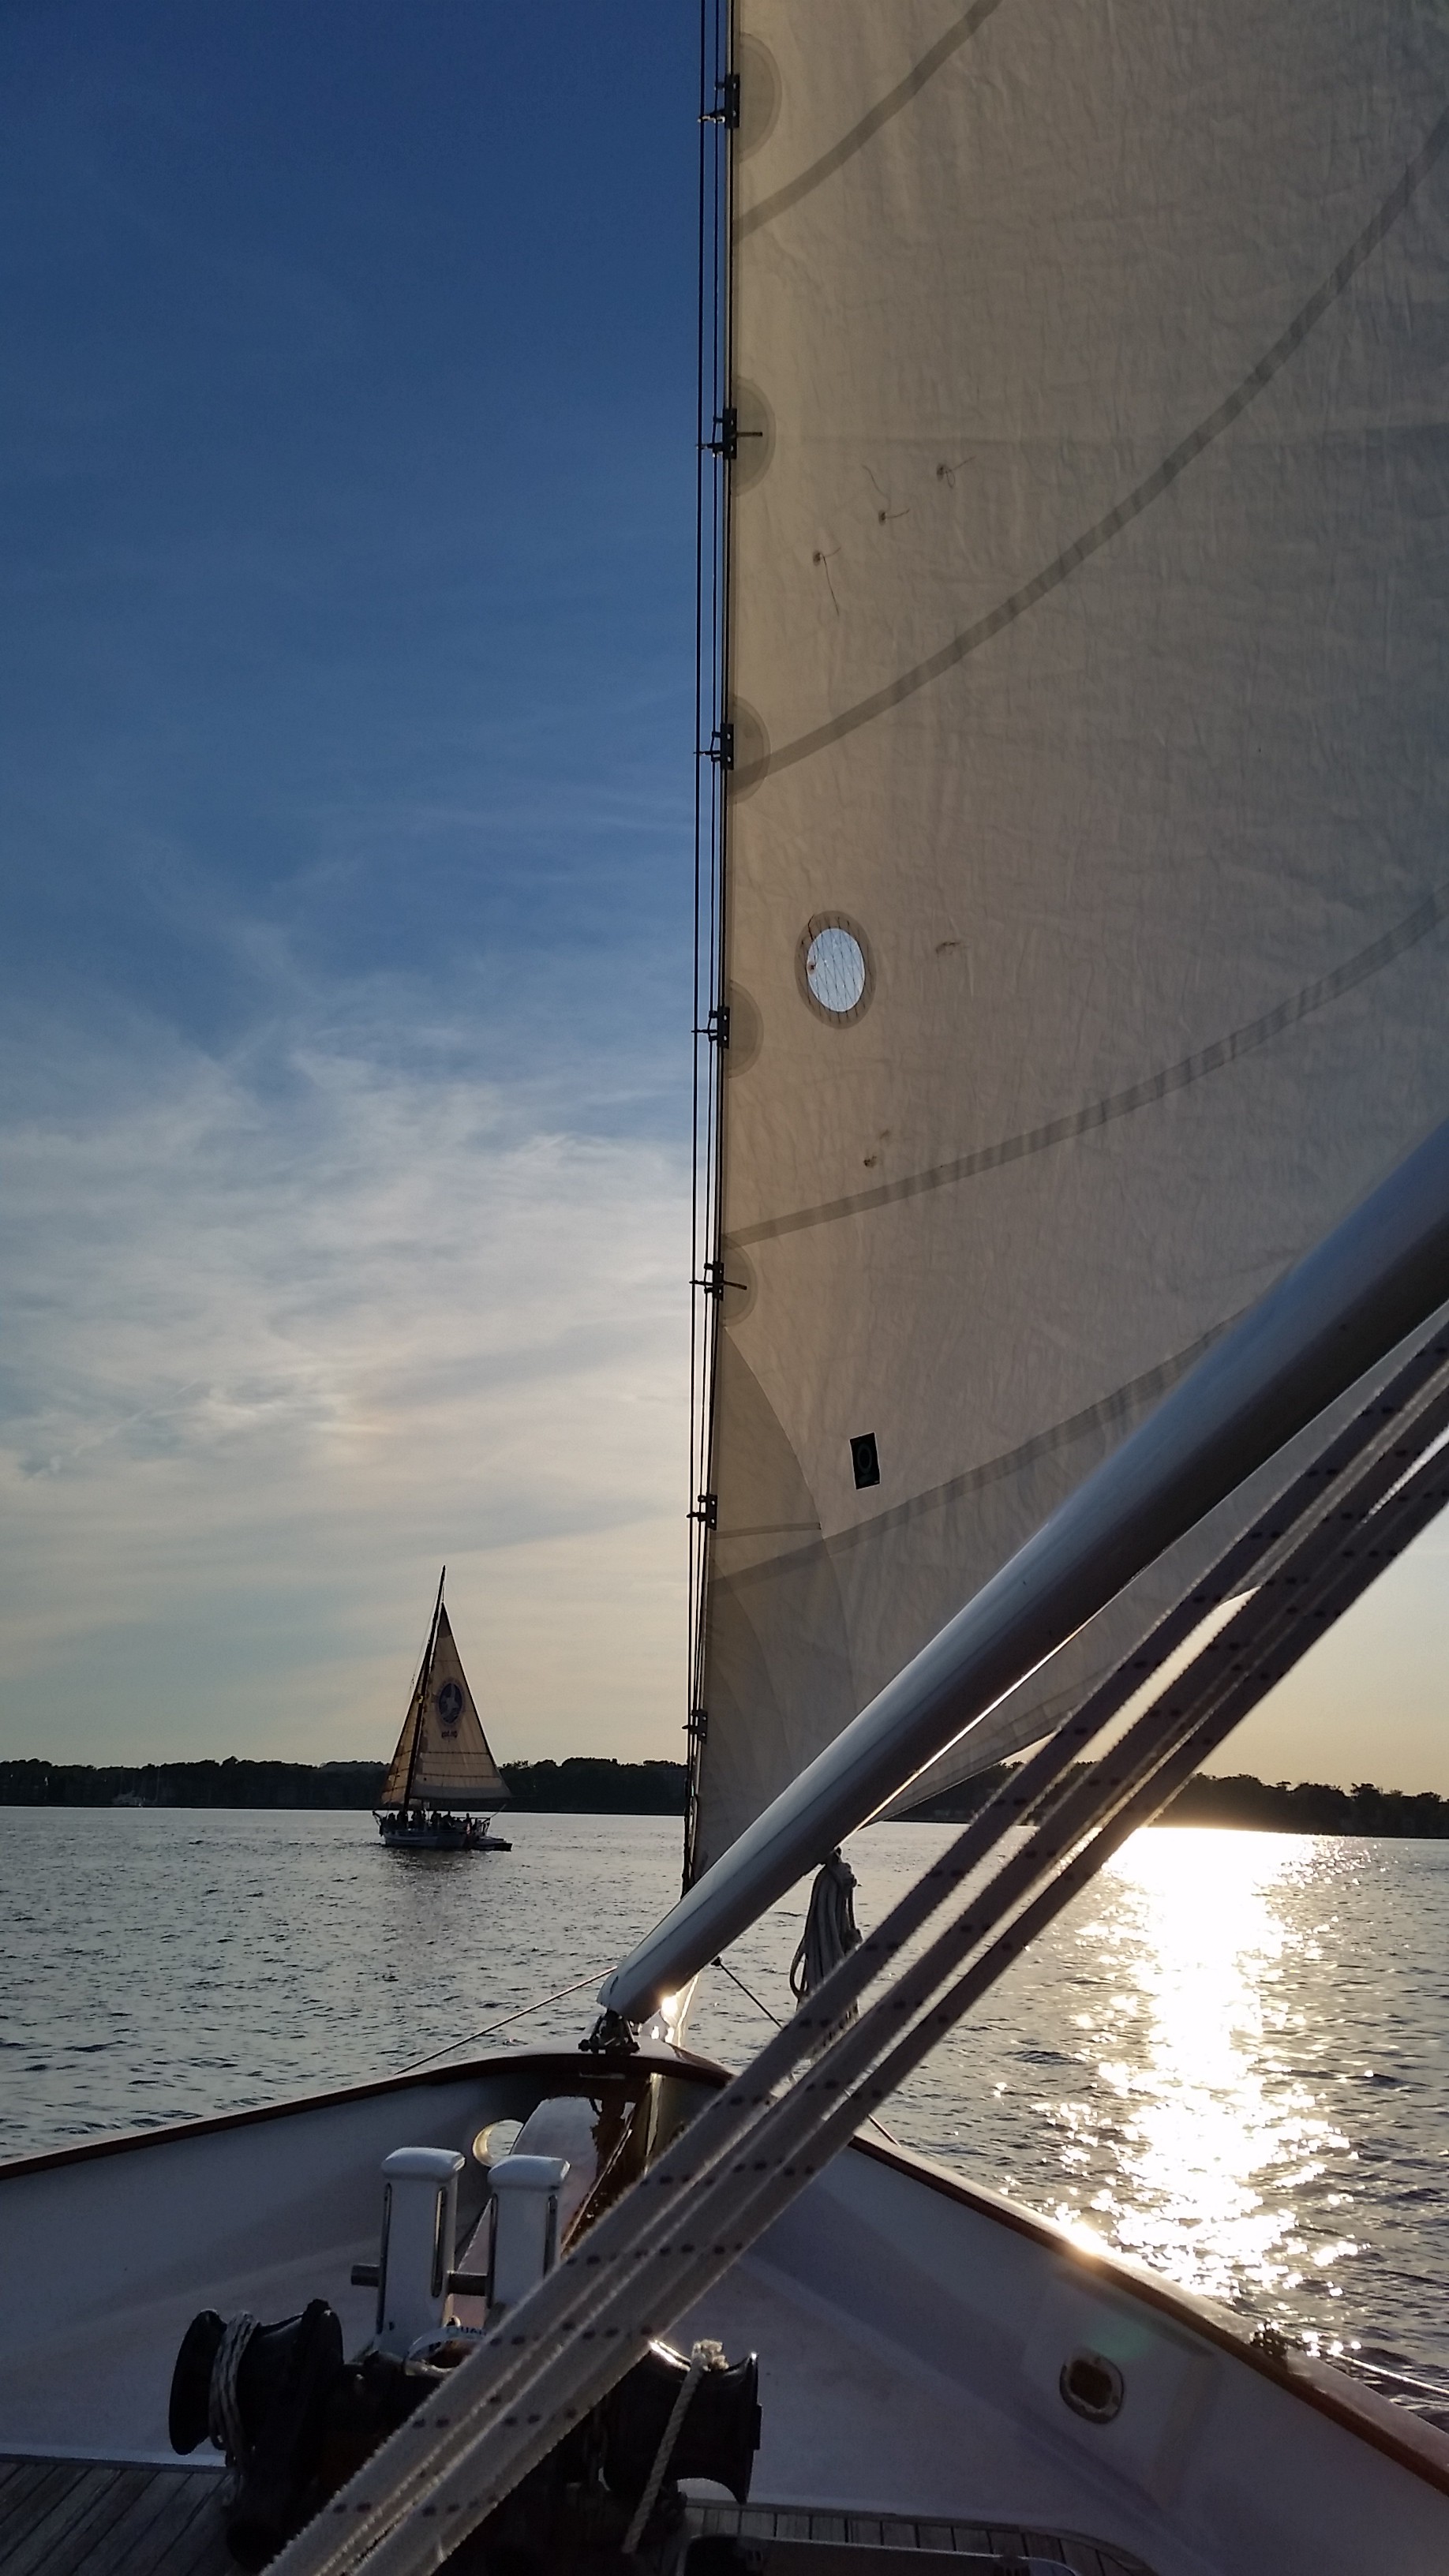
(1229, 2059)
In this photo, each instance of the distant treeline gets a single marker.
(588, 1786)
(583, 1786)
(953, 1806)
(191, 1784)
(1312, 1807)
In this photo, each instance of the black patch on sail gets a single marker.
(865, 1459)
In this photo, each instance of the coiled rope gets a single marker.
(831, 1931)
(223, 2404)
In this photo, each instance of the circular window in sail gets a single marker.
(449, 1706)
(834, 968)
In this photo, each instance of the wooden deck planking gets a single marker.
(780, 2530)
(29, 2479)
(109, 2518)
(183, 2535)
(117, 2518)
(124, 2515)
(51, 2531)
(51, 2489)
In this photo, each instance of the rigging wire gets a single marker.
(471, 2038)
(750, 1996)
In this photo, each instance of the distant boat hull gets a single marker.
(439, 1833)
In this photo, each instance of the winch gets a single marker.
(295, 2418)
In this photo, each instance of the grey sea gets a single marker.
(1230, 2059)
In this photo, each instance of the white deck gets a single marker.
(911, 2340)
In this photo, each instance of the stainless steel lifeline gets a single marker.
(1377, 1277)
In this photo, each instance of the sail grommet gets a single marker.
(833, 968)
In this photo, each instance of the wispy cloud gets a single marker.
(285, 1332)
(346, 916)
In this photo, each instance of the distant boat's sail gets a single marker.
(442, 1757)
(1086, 862)
(394, 1787)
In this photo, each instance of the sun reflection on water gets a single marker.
(1228, 2057)
(1191, 2035)
(1203, 2136)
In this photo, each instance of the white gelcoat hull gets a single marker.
(911, 2334)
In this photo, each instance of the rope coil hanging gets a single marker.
(831, 1931)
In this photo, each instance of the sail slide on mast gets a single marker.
(443, 1769)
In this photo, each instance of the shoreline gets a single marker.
(587, 1785)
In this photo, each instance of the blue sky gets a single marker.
(348, 481)
(347, 705)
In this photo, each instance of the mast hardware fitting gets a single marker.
(611, 2036)
(713, 1281)
(707, 1510)
(727, 446)
(696, 1724)
(717, 1026)
(727, 114)
(722, 746)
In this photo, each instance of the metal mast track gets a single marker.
(765, 2136)
(713, 759)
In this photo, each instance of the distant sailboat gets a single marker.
(442, 1769)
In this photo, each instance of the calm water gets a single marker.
(1229, 2059)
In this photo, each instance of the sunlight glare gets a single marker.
(1189, 2038)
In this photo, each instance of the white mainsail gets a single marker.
(1085, 864)
(443, 1757)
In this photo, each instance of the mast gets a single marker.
(421, 1694)
(716, 442)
